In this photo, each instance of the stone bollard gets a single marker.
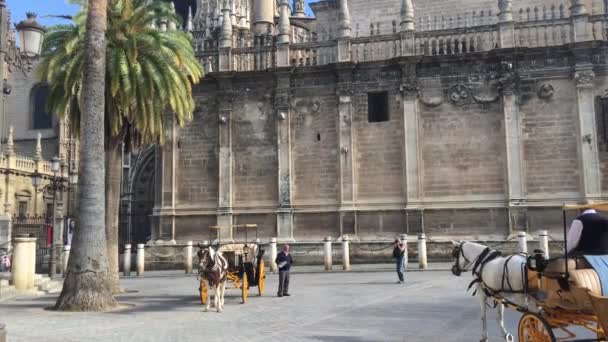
(345, 253)
(422, 259)
(24, 263)
(126, 261)
(140, 259)
(522, 242)
(543, 241)
(66, 258)
(273, 255)
(327, 260)
(3, 337)
(403, 238)
(189, 257)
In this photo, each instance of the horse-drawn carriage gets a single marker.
(554, 295)
(239, 263)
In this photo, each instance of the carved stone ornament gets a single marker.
(282, 116)
(223, 119)
(281, 100)
(584, 78)
(344, 89)
(545, 91)
(410, 89)
(460, 95)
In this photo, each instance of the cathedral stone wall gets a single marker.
(298, 154)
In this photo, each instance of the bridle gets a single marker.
(208, 263)
(457, 253)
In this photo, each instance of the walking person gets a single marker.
(284, 262)
(399, 254)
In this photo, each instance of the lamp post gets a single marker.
(56, 185)
(31, 35)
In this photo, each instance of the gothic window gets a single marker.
(41, 118)
(377, 107)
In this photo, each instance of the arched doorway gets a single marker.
(138, 201)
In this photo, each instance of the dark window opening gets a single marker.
(318, 136)
(41, 118)
(602, 111)
(22, 209)
(377, 107)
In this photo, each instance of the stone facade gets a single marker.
(487, 131)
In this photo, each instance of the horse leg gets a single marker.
(208, 297)
(216, 297)
(501, 323)
(221, 288)
(484, 311)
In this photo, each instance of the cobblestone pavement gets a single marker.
(430, 306)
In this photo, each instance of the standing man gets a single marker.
(399, 255)
(284, 262)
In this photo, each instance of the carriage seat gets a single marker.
(586, 278)
(558, 266)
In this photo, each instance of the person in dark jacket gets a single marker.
(284, 261)
(399, 251)
(588, 234)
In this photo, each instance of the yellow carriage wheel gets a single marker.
(203, 292)
(261, 278)
(244, 288)
(534, 328)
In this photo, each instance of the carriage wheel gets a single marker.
(261, 277)
(534, 328)
(244, 288)
(203, 292)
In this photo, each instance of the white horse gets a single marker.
(214, 270)
(504, 276)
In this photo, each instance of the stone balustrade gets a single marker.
(471, 33)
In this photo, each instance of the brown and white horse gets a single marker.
(214, 270)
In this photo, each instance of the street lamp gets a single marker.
(55, 185)
(31, 35)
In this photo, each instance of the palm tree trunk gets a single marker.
(86, 286)
(113, 167)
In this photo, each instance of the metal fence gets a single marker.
(41, 228)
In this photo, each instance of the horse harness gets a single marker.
(214, 272)
(479, 263)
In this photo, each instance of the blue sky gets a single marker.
(45, 7)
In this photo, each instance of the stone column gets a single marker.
(65, 258)
(344, 32)
(282, 52)
(409, 99)
(506, 25)
(589, 163)
(224, 215)
(580, 22)
(346, 143)
(126, 268)
(515, 180)
(327, 256)
(24, 263)
(283, 120)
(225, 51)
(166, 164)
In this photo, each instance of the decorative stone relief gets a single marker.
(282, 116)
(460, 95)
(223, 119)
(584, 78)
(545, 91)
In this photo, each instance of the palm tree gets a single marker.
(86, 286)
(149, 73)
